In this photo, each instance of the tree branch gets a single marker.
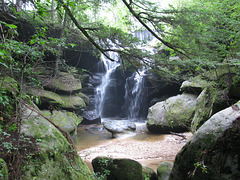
(150, 30)
(83, 30)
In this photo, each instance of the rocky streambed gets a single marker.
(146, 148)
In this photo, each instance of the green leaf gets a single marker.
(12, 26)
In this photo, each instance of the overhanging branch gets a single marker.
(83, 30)
(150, 30)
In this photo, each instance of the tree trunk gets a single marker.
(52, 11)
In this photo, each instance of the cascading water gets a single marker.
(110, 66)
(135, 95)
(120, 96)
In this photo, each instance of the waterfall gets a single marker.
(135, 95)
(118, 95)
(101, 90)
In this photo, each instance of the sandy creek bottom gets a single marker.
(146, 148)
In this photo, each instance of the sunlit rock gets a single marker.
(119, 127)
(174, 114)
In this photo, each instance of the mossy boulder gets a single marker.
(149, 173)
(213, 151)
(56, 159)
(68, 102)
(210, 101)
(195, 85)
(64, 83)
(117, 169)
(174, 114)
(10, 84)
(164, 169)
(203, 110)
(84, 97)
(3, 170)
(68, 121)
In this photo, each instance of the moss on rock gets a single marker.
(149, 173)
(173, 114)
(213, 151)
(3, 170)
(56, 158)
(118, 169)
(164, 169)
(71, 102)
(68, 121)
(65, 83)
(10, 84)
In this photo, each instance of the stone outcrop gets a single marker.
(64, 83)
(149, 173)
(174, 114)
(68, 102)
(118, 169)
(213, 151)
(119, 127)
(194, 85)
(56, 158)
(68, 121)
(164, 169)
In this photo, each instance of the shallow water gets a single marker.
(90, 136)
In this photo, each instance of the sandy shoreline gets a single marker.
(149, 152)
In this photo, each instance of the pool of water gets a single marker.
(147, 148)
(92, 135)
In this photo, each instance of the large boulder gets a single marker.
(164, 169)
(72, 102)
(119, 127)
(56, 158)
(64, 83)
(195, 85)
(117, 169)
(174, 114)
(149, 173)
(213, 151)
(210, 101)
(68, 121)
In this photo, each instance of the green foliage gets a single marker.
(207, 29)
(13, 127)
(202, 166)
